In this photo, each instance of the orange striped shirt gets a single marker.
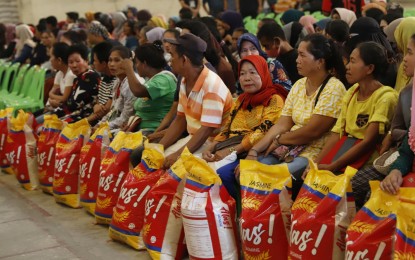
(208, 104)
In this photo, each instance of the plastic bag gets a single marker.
(128, 219)
(22, 154)
(371, 234)
(68, 148)
(46, 145)
(405, 225)
(114, 168)
(4, 140)
(208, 213)
(321, 214)
(89, 163)
(266, 210)
(164, 236)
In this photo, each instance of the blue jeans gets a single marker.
(227, 175)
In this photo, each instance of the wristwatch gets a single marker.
(276, 138)
(232, 149)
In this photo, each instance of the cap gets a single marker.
(192, 44)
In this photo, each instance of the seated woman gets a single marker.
(24, 45)
(64, 78)
(254, 112)
(310, 111)
(399, 128)
(366, 112)
(248, 44)
(122, 105)
(84, 89)
(156, 95)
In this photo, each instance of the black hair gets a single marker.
(60, 50)
(130, 24)
(173, 31)
(2, 36)
(105, 20)
(395, 8)
(267, 20)
(338, 30)
(375, 13)
(211, 25)
(152, 54)
(375, 54)
(185, 13)
(41, 26)
(52, 20)
(322, 48)
(103, 50)
(390, 17)
(143, 15)
(125, 53)
(200, 29)
(76, 37)
(81, 49)
(97, 15)
(270, 31)
(195, 60)
(73, 15)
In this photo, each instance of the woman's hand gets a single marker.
(271, 148)
(208, 156)
(392, 182)
(386, 144)
(221, 154)
(327, 167)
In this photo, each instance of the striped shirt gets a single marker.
(208, 104)
(106, 88)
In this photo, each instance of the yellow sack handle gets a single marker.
(52, 121)
(153, 155)
(18, 122)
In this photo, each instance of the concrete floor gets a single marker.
(33, 226)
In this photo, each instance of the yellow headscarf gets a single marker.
(157, 22)
(403, 33)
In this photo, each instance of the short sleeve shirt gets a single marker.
(64, 80)
(300, 107)
(208, 104)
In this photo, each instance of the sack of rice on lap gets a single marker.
(114, 168)
(68, 148)
(46, 150)
(164, 236)
(321, 214)
(266, 210)
(371, 235)
(405, 225)
(21, 150)
(4, 142)
(90, 163)
(131, 209)
(208, 213)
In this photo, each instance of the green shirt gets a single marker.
(161, 88)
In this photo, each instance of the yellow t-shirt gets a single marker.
(300, 108)
(357, 115)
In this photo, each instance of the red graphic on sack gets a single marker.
(46, 150)
(114, 169)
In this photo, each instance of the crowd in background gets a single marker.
(285, 92)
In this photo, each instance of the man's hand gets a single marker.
(126, 66)
(170, 160)
(221, 154)
(155, 136)
(392, 182)
(208, 156)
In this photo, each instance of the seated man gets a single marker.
(204, 100)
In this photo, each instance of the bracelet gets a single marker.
(252, 149)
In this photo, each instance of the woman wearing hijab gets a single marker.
(248, 44)
(308, 22)
(157, 21)
(155, 34)
(25, 43)
(118, 20)
(403, 33)
(254, 112)
(366, 29)
(294, 32)
(343, 14)
(292, 15)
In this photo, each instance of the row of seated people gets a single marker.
(311, 117)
